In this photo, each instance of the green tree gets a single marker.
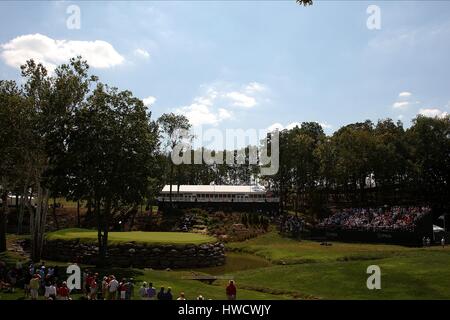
(173, 131)
(112, 150)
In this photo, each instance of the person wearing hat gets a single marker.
(161, 294)
(151, 292)
(129, 289)
(168, 294)
(143, 291)
(105, 282)
(34, 287)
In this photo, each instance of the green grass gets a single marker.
(280, 250)
(133, 236)
(420, 277)
(309, 271)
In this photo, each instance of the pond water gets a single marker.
(236, 262)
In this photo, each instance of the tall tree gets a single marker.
(174, 130)
(112, 153)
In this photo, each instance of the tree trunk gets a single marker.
(23, 198)
(55, 218)
(102, 231)
(38, 218)
(170, 181)
(3, 218)
(78, 214)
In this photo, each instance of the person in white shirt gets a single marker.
(52, 292)
(143, 291)
(443, 242)
(181, 297)
(113, 286)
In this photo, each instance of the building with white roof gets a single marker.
(217, 194)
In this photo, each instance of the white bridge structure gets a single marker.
(217, 194)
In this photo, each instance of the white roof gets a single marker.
(214, 189)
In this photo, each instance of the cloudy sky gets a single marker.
(248, 64)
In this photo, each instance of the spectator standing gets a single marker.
(105, 288)
(34, 287)
(231, 290)
(161, 294)
(50, 291)
(129, 289)
(143, 291)
(93, 288)
(113, 286)
(63, 292)
(151, 292)
(123, 289)
(168, 294)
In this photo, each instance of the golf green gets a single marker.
(133, 236)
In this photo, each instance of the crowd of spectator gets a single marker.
(291, 225)
(41, 282)
(375, 219)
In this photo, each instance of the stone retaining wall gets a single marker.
(139, 255)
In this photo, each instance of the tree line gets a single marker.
(67, 134)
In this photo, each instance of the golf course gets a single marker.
(274, 267)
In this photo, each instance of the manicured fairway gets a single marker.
(136, 236)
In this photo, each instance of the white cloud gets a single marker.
(150, 100)
(240, 99)
(276, 126)
(224, 114)
(400, 104)
(433, 112)
(254, 87)
(404, 94)
(213, 106)
(50, 52)
(326, 125)
(142, 53)
(199, 114)
(293, 125)
(202, 112)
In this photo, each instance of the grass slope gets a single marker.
(280, 250)
(420, 277)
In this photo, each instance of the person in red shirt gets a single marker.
(63, 292)
(231, 290)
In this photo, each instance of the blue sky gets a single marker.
(249, 64)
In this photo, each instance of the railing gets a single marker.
(221, 199)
